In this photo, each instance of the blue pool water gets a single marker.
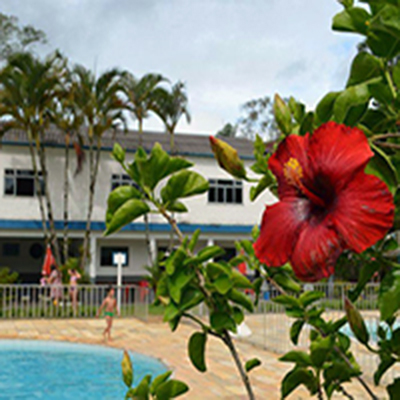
(66, 371)
(372, 327)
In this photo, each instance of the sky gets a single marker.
(226, 51)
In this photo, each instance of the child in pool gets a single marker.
(110, 306)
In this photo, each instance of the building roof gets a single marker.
(185, 144)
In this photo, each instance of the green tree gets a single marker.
(28, 91)
(15, 38)
(67, 117)
(100, 106)
(170, 107)
(228, 130)
(141, 98)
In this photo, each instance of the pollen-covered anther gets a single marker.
(293, 171)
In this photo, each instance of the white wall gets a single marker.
(201, 212)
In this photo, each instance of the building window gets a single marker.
(225, 191)
(106, 255)
(11, 249)
(118, 180)
(21, 182)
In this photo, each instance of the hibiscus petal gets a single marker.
(279, 228)
(338, 152)
(364, 212)
(292, 147)
(317, 249)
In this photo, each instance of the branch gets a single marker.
(389, 145)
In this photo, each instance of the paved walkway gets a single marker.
(221, 381)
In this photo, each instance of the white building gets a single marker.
(224, 215)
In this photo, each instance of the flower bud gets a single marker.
(228, 158)
(127, 371)
(356, 322)
(282, 114)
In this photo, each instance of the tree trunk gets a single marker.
(66, 197)
(53, 235)
(94, 167)
(37, 188)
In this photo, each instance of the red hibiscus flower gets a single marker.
(327, 202)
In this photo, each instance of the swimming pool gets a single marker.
(66, 371)
(372, 328)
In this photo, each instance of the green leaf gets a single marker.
(128, 212)
(262, 184)
(220, 320)
(143, 389)
(350, 97)
(295, 378)
(214, 270)
(287, 301)
(118, 153)
(389, 294)
(295, 331)
(170, 312)
(297, 109)
(223, 284)
(320, 350)
(240, 298)
(324, 108)
(193, 240)
(251, 364)
(170, 389)
(157, 166)
(238, 315)
(394, 389)
(240, 281)
(177, 207)
(396, 75)
(209, 252)
(351, 20)
(183, 184)
(310, 297)
(158, 380)
(283, 279)
(364, 67)
(301, 358)
(121, 195)
(127, 370)
(383, 366)
(381, 166)
(306, 125)
(367, 271)
(197, 345)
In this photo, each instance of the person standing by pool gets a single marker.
(110, 306)
(73, 288)
(55, 281)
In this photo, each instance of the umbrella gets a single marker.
(48, 261)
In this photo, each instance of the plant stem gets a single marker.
(384, 136)
(245, 378)
(225, 337)
(389, 145)
(359, 378)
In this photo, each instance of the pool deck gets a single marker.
(154, 338)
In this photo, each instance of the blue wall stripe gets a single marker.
(134, 227)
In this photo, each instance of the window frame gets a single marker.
(121, 179)
(218, 192)
(13, 175)
(113, 249)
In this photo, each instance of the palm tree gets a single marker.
(28, 90)
(69, 120)
(141, 97)
(171, 106)
(101, 109)
(141, 94)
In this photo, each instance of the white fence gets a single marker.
(36, 301)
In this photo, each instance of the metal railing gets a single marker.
(36, 301)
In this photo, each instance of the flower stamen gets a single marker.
(294, 173)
